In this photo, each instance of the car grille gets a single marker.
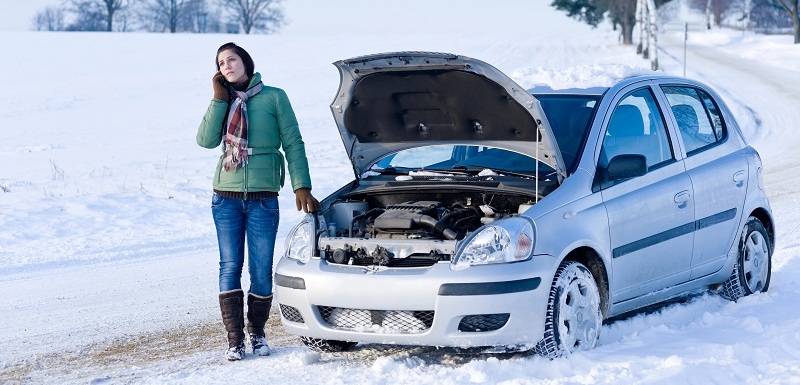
(378, 321)
(400, 262)
(483, 322)
(291, 314)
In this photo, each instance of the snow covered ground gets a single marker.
(108, 259)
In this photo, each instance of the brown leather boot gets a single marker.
(257, 315)
(231, 303)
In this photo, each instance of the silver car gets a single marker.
(484, 214)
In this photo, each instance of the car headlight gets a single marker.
(300, 241)
(507, 240)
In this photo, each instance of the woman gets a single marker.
(251, 121)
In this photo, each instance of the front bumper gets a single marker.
(492, 305)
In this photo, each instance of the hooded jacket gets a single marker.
(272, 125)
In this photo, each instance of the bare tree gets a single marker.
(791, 7)
(49, 19)
(88, 16)
(178, 16)
(715, 9)
(620, 12)
(91, 13)
(652, 41)
(112, 6)
(198, 18)
(256, 15)
(167, 14)
(640, 15)
(719, 8)
(766, 16)
(623, 12)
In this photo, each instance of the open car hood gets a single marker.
(395, 101)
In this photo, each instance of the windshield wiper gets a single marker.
(390, 171)
(475, 170)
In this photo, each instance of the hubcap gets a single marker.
(579, 319)
(755, 262)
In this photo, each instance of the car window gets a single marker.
(442, 157)
(699, 121)
(637, 127)
(570, 119)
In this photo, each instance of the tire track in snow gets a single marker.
(763, 91)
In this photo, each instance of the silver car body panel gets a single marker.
(408, 290)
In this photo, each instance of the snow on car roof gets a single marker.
(588, 79)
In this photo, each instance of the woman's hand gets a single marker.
(305, 201)
(220, 87)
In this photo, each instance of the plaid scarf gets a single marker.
(236, 129)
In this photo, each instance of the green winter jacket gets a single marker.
(272, 125)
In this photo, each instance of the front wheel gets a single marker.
(327, 346)
(753, 268)
(573, 317)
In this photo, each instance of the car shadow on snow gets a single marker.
(656, 307)
(429, 355)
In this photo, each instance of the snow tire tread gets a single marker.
(734, 287)
(548, 346)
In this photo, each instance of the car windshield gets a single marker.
(470, 159)
(570, 117)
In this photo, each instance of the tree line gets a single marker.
(768, 16)
(191, 16)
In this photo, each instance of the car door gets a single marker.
(650, 217)
(719, 174)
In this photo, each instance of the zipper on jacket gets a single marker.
(245, 182)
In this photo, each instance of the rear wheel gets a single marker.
(753, 268)
(330, 346)
(573, 318)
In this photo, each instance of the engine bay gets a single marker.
(413, 229)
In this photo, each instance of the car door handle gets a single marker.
(682, 197)
(738, 178)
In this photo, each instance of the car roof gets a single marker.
(546, 90)
(600, 89)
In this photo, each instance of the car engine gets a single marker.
(413, 233)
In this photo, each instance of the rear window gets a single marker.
(699, 120)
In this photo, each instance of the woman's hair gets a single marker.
(249, 66)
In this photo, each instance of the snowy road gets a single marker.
(753, 88)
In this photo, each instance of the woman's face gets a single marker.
(231, 66)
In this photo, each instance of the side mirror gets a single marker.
(627, 166)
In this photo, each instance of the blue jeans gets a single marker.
(235, 220)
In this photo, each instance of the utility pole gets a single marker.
(685, 40)
(685, 27)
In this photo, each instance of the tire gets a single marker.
(753, 269)
(573, 317)
(327, 346)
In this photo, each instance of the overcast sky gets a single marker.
(16, 15)
(348, 16)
